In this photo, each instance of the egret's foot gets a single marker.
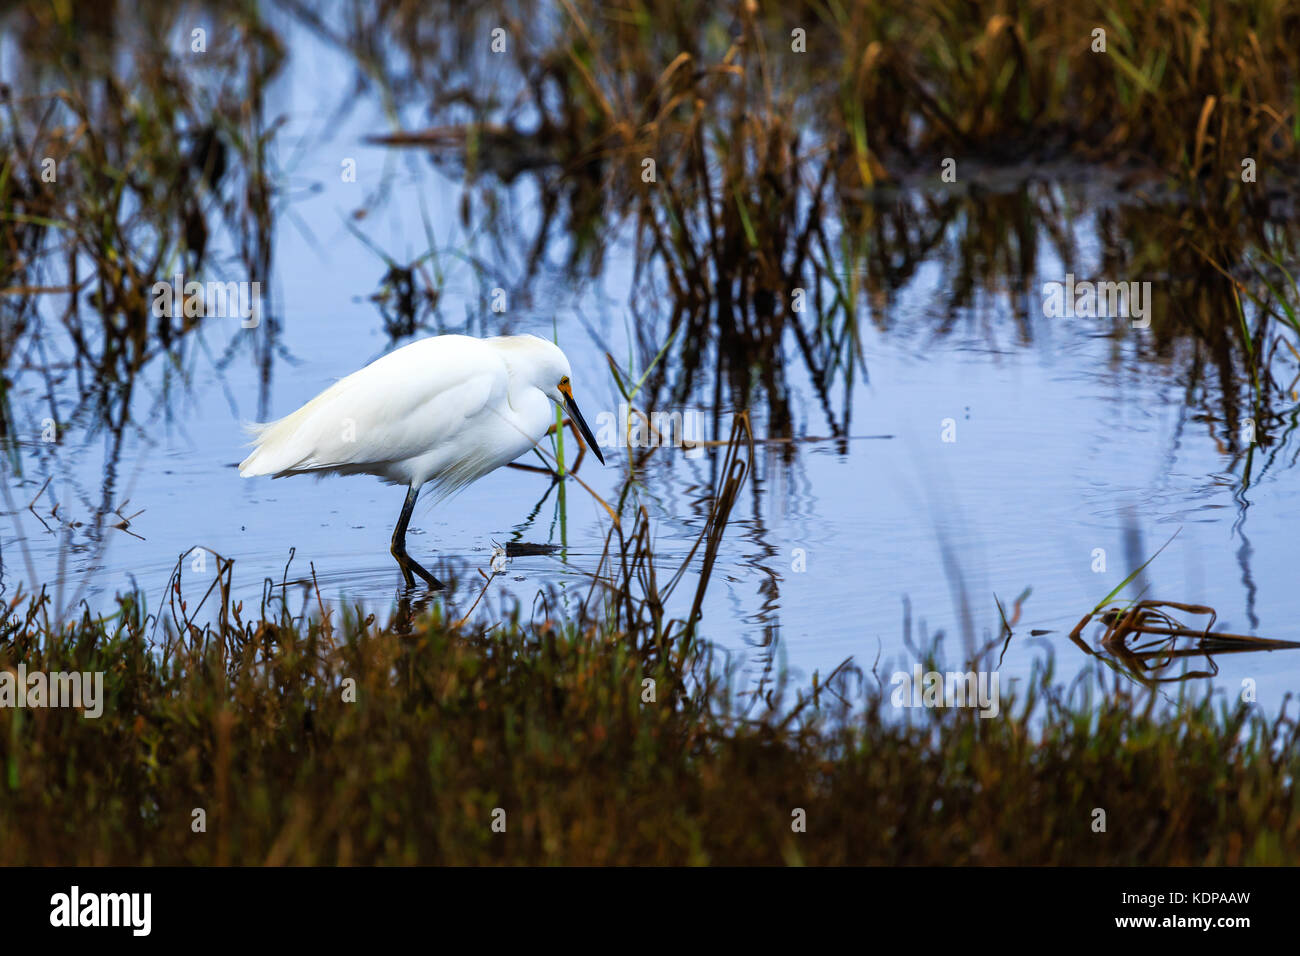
(408, 564)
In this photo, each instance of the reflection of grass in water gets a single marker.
(769, 161)
(126, 159)
(777, 170)
(155, 156)
(773, 167)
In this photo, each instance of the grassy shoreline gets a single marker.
(549, 722)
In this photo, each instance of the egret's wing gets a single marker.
(400, 406)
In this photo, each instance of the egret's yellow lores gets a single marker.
(443, 411)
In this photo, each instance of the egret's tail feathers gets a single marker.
(319, 437)
(277, 449)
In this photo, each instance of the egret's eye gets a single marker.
(564, 382)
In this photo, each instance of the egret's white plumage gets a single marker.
(442, 411)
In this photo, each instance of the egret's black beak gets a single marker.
(572, 408)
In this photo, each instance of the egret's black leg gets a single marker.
(399, 544)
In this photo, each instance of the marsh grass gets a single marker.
(544, 716)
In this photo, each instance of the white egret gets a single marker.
(443, 411)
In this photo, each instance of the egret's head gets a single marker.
(564, 397)
(548, 369)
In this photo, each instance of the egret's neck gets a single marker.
(531, 407)
(532, 410)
